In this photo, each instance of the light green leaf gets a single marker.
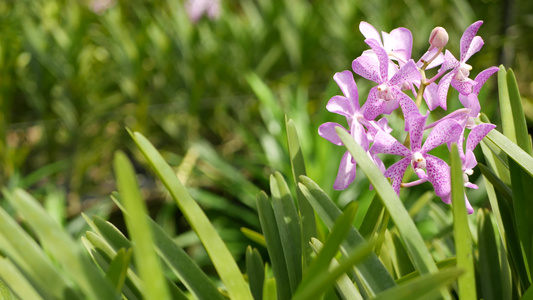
(371, 271)
(424, 287)
(413, 240)
(289, 228)
(256, 272)
(118, 269)
(63, 248)
(320, 264)
(490, 269)
(461, 231)
(11, 276)
(274, 246)
(146, 261)
(254, 236)
(307, 214)
(218, 252)
(344, 285)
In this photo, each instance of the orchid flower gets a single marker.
(458, 77)
(468, 158)
(348, 106)
(387, 96)
(438, 172)
(398, 43)
(197, 8)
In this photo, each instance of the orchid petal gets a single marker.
(431, 97)
(327, 131)
(342, 106)
(348, 87)
(463, 87)
(396, 172)
(387, 144)
(408, 106)
(450, 62)
(441, 134)
(359, 134)
(369, 32)
(438, 174)
(469, 208)
(407, 73)
(416, 122)
(471, 185)
(477, 134)
(367, 67)
(482, 77)
(346, 174)
(475, 46)
(400, 42)
(468, 36)
(442, 89)
(383, 58)
(469, 161)
(373, 106)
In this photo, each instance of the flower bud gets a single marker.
(438, 38)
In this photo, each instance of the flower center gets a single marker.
(385, 92)
(463, 72)
(418, 161)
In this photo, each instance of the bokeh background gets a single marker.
(211, 94)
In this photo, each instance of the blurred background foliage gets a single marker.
(211, 95)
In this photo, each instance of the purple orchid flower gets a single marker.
(198, 8)
(458, 77)
(398, 43)
(438, 172)
(468, 158)
(388, 95)
(347, 106)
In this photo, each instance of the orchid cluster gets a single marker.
(388, 63)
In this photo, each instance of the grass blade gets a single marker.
(218, 252)
(371, 271)
(490, 270)
(307, 214)
(424, 287)
(274, 246)
(461, 231)
(413, 240)
(17, 282)
(289, 228)
(256, 272)
(145, 258)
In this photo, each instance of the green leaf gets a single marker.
(443, 264)
(146, 261)
(413, 240)
(424, 287)
(344, 285)
(372, 219)
(321, 263)
(218, 252)
(461, 231)
(319, 283)
(63, 248)
(19, 247)
(371, 271)
(307, 214)
(518, 116)
(274, 246)
(11, 276)
(512, 150)
(256, 272)
(490, 269)
(118, 268)
(288, 227)
(254, 236)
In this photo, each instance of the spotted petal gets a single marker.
(387, 144)
(475, 46)
(438, 174)
(467, 38)
(346, 174)
(348, 87)
(477, 134)
(416, 122)
(400, 42)
(396, 172)
(482, 77)
(327, 131)
(367, 66)
(442, 89)
(408, 73)
(383, 58)
(373, 106)
(441, 134)
(342, 106)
